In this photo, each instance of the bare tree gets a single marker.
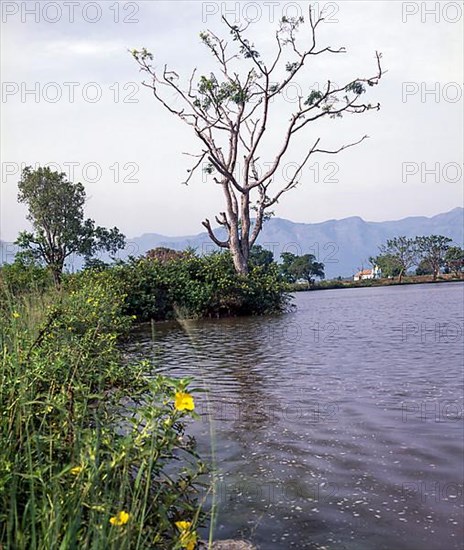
(230, 115)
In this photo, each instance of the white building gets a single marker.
(373, 273)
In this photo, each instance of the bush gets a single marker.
(20, 277)
(194, 287)
(94, 453)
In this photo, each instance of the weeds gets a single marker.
(94, 452)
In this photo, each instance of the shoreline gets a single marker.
(374, 283)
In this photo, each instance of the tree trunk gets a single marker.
(56, 276)
(240, 262)
(400, 276)
(57, 271)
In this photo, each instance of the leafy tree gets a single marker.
(232, 114)
(424, 268)
(454, 260)
(306, 267)
(285, 268)
(388, 265)
(301, 267)
(433, 249)
(403, 252)
(56, 211)
(259, 256)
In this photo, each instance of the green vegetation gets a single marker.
(165, 284)
(56, 211)
(25, 275)
(400, 254)
(388, 264)
(304, 267)
(332, 284)
(435, 259)
(430, 254)
(190, 286)
(433, 250)
(94, 453)
(454, 260)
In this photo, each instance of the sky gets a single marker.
(72, 98)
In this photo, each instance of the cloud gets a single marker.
(126, 125)
(84, 48)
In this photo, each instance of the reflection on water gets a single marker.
(337, 426)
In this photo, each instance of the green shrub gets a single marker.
(194, 287)
(94, 453)
(21, 276)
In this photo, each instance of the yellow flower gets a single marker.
(188, 538)
(76, 470)
(183, 525)
(15, 314)
(121, 518)
(184, 401)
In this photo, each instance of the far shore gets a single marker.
(408, 280)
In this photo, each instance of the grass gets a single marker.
(94, 452)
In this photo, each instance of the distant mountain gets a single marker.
(343, 245)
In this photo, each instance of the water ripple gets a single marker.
(337, 426)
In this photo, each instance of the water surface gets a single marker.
(339, 425)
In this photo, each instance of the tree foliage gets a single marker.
(259, 256)
(429, 253)
(24, 275)
(304, 267)
(403, 251)
(424, 268)
(195, 286)
(454, 260)
(433, 250)
(388, 264)
(56, 211)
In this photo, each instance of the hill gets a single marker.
(343, 245)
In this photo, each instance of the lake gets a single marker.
(339, 425)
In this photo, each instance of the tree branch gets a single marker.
(212, 236)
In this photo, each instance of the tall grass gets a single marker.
(93, 452)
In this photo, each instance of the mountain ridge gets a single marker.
(343, 245)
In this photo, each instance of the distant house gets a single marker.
(373, 273)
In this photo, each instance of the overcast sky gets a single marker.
(128, 151)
